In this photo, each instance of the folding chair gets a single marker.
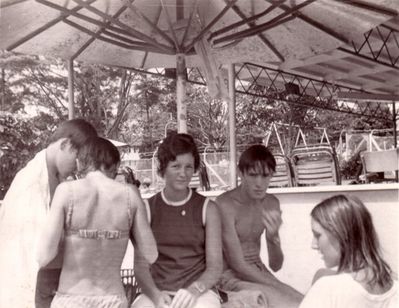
(380, 166)
(283, 176)
(314, 165)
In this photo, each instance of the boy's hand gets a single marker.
(272, 221)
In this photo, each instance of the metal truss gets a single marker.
(270, 83)
(380, 45)
(279, 86)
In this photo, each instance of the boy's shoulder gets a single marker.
(226, 196)
(271, 201)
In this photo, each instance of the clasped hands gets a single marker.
(182, 299)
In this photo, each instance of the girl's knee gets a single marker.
(208, 300)
(142, 301)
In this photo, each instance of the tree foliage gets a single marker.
(21, 138)
(139, 109)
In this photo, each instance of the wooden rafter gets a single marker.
(372, 7)
(169, 21)
(252, 24)
(101, 24)
(247, 20)
(128, 43)
(129, 29)
(92, 39)
(287, 15)
(42, 28)
(318, 25)
(153, 26)
(190, 18)
(209, 26)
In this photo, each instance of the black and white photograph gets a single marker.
(199, 153)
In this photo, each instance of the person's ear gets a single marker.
(240, 174)
(64, 143)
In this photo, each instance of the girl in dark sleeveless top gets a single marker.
(187, 230)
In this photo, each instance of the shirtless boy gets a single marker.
(246, 212)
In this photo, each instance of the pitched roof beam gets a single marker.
(260, 35)
(209, 26)
(231, 27)
(125, 31)
(129, 29)
(98, 33)
(121, 41)
(371, 7)
(43, 28)
(153, 26)
(289, 14)
(317, 25)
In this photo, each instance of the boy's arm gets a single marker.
(271, 217)
(51, 234)
(232, 247)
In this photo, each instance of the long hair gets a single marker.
(349, 221)
(98, 152)
(174, 145)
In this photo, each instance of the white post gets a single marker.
(232, 127)
(71, 105)
(181, 94)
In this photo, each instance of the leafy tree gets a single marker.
(21, 138)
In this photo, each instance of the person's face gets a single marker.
(178, 173)
(256, 182)
(66, 159)
(326, 244)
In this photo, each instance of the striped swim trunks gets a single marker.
(62, 300)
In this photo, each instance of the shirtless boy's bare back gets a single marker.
(246, 212)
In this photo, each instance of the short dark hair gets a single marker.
(173, 145)
(76, 130)
(97, 152)
(256, 157)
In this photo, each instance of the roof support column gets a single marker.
(232, 126)
(395, 134)
(181, 93)
(71, 104)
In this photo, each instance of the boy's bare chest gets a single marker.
(249, 224)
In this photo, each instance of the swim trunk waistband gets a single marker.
(63, 300)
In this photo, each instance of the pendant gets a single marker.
(183, 213)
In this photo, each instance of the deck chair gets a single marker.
(129, 284)
(315, 165)
(283, 176)
(380, 166)
(200, 179)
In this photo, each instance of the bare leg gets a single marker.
(278, 294)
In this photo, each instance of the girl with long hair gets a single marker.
(344, 233)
